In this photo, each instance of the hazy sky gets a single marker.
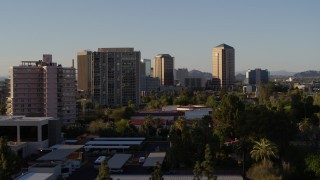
(273, 34)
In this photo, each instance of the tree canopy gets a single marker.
(104, 173)
(9, 162)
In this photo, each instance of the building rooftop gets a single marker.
(164, 55)
(35, 176)
(119, 49)
(224, 46)
(159, 113)
(23, 119)
(118, 160)
(172, 177)
(153, 158)
(113, 143)
(61, 153)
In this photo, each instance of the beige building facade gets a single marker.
(84, 69)
(163, 69)
(223, 65)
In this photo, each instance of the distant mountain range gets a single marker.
(197, 73)
(240, 75)
(308, 74)
(282, 73)
(273, 73)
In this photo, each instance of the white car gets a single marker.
(142, 159)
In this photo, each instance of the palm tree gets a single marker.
(104, 172)
(304, 125)
(180, 124)
(263, 150)
(157, 173)
(147, 123)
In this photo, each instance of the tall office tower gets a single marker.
(142, 69)
(42, 88)
(163, 69)
(147, 63)
(257, 76)
(181, 75)
(84, 71)
(115, 76)
(223, 65)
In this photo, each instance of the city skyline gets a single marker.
(269, 35)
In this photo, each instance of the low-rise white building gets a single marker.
(26, 135)
(190, 112)
(197, 113)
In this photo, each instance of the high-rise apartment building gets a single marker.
(114, 75)
(257, 76)
(223, 65)
(163, 69)
(42, 88)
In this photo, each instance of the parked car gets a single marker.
(142, 159)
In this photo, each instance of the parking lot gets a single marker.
(87, 171)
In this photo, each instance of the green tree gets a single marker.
(207, 164)
(166, 100)
(263, 171)
(154, 104)
(263, 150)
(73, 130)
(227, 115)
(104, 173)
(180, 124)
(107, 113)
(157, 173)
(95, 127)
(8, 160)
(316, 99)
(197, 171)
(124, 127)
(313, 164)
(257, 121)
(181, 149)
(128, 112)
(117, 114)
(3, 109)
(265, 91)
(199, 97)
(212, 101)
(147, 126)
(309, 132)
(304, 125)
(98, 109)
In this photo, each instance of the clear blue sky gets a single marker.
(273, 34)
